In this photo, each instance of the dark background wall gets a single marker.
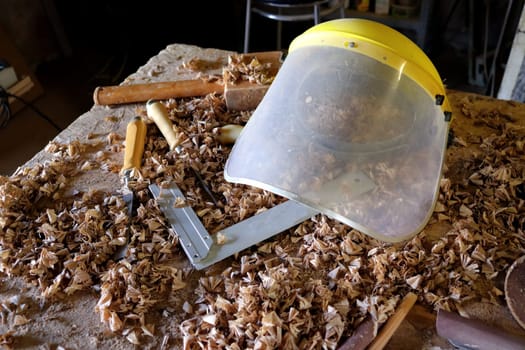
(124, 34)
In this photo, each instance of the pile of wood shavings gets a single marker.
(308, 288)
(239, 68)
(242, 68)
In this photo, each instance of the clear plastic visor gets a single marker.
(350, 136)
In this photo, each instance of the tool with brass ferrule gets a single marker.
(158, 112)
(134, 149)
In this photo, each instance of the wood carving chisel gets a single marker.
(134, 149)
(159, 114)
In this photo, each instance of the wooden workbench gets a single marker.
(71, 321)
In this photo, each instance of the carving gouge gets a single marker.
(158, 112)
(134, 149)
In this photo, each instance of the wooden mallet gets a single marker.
(242, 95)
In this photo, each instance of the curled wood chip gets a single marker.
(20, 320)
(415, 281)
(179, 203)
(221, 238)
(241, 68)
(133, 338)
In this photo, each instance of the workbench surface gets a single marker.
(47, 302)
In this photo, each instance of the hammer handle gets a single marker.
(122, 94)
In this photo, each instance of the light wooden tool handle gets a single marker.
(135, 140)
(122, 94)
(158, 112)
(393, 322)
(229, 133)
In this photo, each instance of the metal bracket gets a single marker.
(203, 250)
(194, 238)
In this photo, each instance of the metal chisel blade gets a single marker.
(127, 197)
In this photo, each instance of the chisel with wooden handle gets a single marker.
(158, 112)
(135, 141)
(133, 151)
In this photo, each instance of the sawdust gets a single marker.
(72, 323)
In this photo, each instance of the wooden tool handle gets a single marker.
(393, 322)
(158, 112)
(121, 94)
(135, 140)
(229, 133)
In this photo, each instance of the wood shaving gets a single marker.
(198, 64)
(242, 68)
(7, 340)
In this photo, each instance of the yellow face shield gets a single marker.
(354, 125)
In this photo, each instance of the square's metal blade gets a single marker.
(194, 238)
(256, 229)
(203, 250)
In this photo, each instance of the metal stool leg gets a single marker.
(342, 13)
(317, 16)
(279, 31)
(281, 15)
(247, 25)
